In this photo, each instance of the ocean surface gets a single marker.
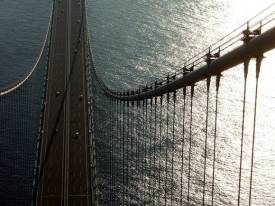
(135, 42)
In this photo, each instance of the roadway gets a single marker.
(65, 178)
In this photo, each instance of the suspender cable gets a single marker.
(117, 153)
(110, 148)
(123, 153)
(114, 150)
(137, 138)
(258, 68)
(166, 148)
(115, 156)
(190, 144)
(138, 144)
(127, 146)
(117, 149)
(173, 145)
(160, 150)
(120, 146)
(110, 152)
(182, 145)
(218, 77)
(246, 64)
(142, 148)
(145, 135)
(150, 148)
(132, 156)
(132, 126)
(208, 81)
(155, 143)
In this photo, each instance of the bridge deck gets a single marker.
(65, 178)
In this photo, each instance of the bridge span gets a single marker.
(64, 170)
(167, 142)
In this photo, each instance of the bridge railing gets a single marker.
(190, 138)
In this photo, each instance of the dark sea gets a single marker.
(134, 42)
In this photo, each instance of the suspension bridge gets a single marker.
(69, 139)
